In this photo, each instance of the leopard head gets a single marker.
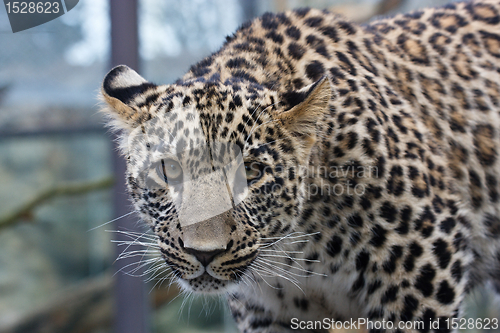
(215, 168)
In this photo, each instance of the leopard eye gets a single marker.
(253, 171)
(170, 171)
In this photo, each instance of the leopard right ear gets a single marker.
(129, 97)
(307, 107)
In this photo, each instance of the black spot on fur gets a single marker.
(456, 271)
(275, 37)
(229, 117)
(359, 283)
(313, 22)
(355, 221)
(269, 21)
(301, 12)
(330, 32)
(447, 225)
(390, 265)
(258, 322)
(388, 212)
(301, 303)
(415, 251)
(379, 236)
(491, 183)
(440, 250)
(492, 224)
(372, 287)
(293, 32)
(347, 27)
(334, 246)
(390, 294)
(362, 260)
(237, 62)
(295, 50)
(315, 70)
(425, 222)
(410, 306)
(424, 280)
(237, 101)
(347, 64)
(404, 220)
(445, 293)
(428, 317)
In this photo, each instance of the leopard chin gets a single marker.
(206, 284)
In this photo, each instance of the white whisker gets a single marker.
(113, 220)
(292, 258)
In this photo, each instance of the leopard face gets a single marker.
(214, 173)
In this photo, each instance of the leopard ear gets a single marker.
(307, 107)
(128, 96)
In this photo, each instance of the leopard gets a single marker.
(315, 171)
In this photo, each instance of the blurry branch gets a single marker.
(83, 308)
(365, 11)
(63, 190)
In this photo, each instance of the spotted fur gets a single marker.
(402, 115)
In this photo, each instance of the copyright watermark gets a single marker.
(360, 323)
(31, 13)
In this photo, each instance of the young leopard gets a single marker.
(371, 162)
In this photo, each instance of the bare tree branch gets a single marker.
(63, 190)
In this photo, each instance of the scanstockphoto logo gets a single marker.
(28, 14)
(206, 179)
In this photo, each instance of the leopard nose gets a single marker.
(205, 257)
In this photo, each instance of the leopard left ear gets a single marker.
(128, 96)
(308, 107)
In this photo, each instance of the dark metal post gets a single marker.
(249, 9)
(131, 297)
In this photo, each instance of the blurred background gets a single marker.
(60, 176)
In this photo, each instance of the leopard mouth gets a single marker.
(212, 278)
(206, 283)
(207, 276)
